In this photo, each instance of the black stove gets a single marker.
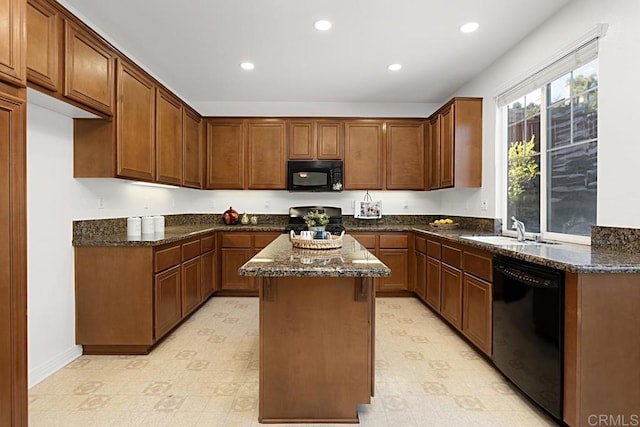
(297, 224)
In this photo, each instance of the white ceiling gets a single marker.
(196, 46)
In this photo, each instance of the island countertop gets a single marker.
(281, 259)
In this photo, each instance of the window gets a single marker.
(552, 147)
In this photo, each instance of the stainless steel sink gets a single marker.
(505, 241)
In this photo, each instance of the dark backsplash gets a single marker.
(95, 228)
(616, 238)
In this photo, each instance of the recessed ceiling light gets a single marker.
(394, 67)
(469, 27)
(247, 66)
(322, 25)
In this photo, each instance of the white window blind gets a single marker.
(580, 53)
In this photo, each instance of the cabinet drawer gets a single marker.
(394, 241)
(207, 244)
(433, 249)
(366, 240)
(168, 257)
(451, 255)
(261, 240)
(421, 244)
(479, 264)
(190, 250)
(236, 240)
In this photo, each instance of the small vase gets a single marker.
(318, 231)
(316, 228)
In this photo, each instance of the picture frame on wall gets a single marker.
(368, 209)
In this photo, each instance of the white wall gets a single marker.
(618, 150)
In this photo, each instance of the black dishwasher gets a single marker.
(528, 329)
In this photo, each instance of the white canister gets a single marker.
(134, 226)
(158, 224)
(147, 225)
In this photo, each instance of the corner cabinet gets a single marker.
(129, 298)
(44, 47)
(168, 138)
(192, 149)
(455, 145)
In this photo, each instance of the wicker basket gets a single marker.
(444, 226)
(334, 242)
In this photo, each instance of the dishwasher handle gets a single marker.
(528, 278)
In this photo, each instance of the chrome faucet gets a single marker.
(519, 226)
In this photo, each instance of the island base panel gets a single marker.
(316, 348)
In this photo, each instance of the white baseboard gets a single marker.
(54, 364)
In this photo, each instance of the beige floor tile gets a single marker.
(206, 374)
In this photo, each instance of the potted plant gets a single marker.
(316, 221)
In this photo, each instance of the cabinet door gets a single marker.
(302, 140)
(266, 154)
(397, 260)
(434, 153)
(88, 70)
(12, 40)
(168, 310)
(330, 139)
(421, 275)
(43, 45)
(191, 149)
(433, 283)
(405, 155)
(191, 276)
(207, 281)
(225, 155)
(232, 260)
(168, 138)
(476, 312)
(13, 257)
(451, 298)
(364, 164)
(135, 124)
(447, 147)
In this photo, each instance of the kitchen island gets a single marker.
(317, 331)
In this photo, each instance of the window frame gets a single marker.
(503, 141)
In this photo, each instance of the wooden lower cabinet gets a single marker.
(237, 249)
(476, 312)
(167, 301)
(128, 298)
(451, 295)
(397, 260)
(420, 275)
(191, 284)
(432, 294)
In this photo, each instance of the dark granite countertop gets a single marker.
(565, 256)
(281, 259)
(569, 257)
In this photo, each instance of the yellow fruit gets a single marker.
(448, 221)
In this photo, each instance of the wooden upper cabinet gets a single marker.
(44, 47)
(434, 153)
(266, 154)
(364, 160)
(225, 154)
(316, 139)
(447, 146)
(405, 155)
(168, 138)
(12, 42)
(330, 139)
(302, 140)
(455, 145)
(191, 149)
(135, 124)
(89, 70)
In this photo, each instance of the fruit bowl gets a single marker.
(440, 224)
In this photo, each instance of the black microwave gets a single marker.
(314, 175)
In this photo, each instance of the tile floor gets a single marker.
(206, 374)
